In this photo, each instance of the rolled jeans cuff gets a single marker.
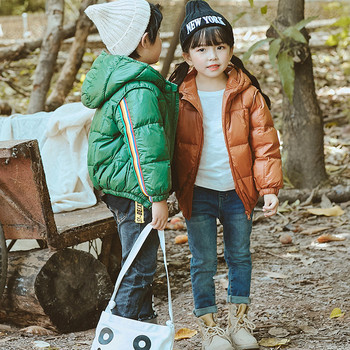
(205, 310)
(238, 299)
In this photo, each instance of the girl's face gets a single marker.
(209, 61)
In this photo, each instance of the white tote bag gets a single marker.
(120, 333)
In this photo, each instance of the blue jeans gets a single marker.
(135, 296)
(208, 206)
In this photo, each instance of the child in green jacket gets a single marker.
(131, 140)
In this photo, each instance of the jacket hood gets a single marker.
(237, 82)
(109, 73)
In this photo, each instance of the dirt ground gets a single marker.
(295, 286)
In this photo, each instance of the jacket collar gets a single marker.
(110, 73)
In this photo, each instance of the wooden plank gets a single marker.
(5, 153)
(8, 144)
(26, 211)
(25, 202)
(74, 219)
(82, 225)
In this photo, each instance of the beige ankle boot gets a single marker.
(239, 328)
(214, 337)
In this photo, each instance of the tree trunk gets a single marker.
(48, 56)
(337, 194)
(19, 51)
(303, 148)
(19, 303)
(174, 42)
(5, 108)
(66, 289)
(71, 67)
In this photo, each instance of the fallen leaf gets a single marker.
(272, 342)
(285, 238)
(307, 261)
(278, 332)
(334, 168)
(185, 333)
(334, 211)
(224, 283)
(39, 344)
(284, 207)
(37, 330)
(258, 218)
(5, 328)
(175, 220)
(6, 340)
(336, 313)
(176, 223)
(293, 250)
(329, 238)
(314, 230)
(325, 202)
(289, 227)
(275, 274)
(295, 204)
(180, 239)
(309, 330)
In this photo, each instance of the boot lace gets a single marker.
(211, 331)
(242, 322)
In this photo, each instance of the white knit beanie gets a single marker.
(121, 23)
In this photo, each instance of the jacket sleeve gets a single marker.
(267, 166)
(147, 143)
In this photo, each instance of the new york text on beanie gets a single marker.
(200, 15)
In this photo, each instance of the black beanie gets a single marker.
(200, 15)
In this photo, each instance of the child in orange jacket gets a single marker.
(226, 155)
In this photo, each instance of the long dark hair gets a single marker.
(212, 36)
(152, 28)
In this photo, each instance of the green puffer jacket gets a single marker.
(132, 135)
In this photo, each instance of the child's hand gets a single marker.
(270, 204)
(159, 215)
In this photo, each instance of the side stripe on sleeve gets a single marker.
(124, 111)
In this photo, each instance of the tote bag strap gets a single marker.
(162, 244)
(132, 255)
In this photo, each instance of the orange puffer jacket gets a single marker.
(250, 137)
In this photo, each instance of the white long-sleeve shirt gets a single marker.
(214, 170)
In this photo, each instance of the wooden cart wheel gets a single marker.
(3, 261)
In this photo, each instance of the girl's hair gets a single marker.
(212, 36)
(152, 28)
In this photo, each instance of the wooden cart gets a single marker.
(54, 284)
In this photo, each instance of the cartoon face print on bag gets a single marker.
(141, 342)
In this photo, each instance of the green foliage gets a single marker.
(237, 17)
(286, 72)
(274, 49)
(341, 38)
(263, 10)
(254, 47)
(294, 33)
(281, 51)
(17, 7)
(281, 54)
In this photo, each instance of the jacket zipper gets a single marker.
(233, 168)
(201, 140)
